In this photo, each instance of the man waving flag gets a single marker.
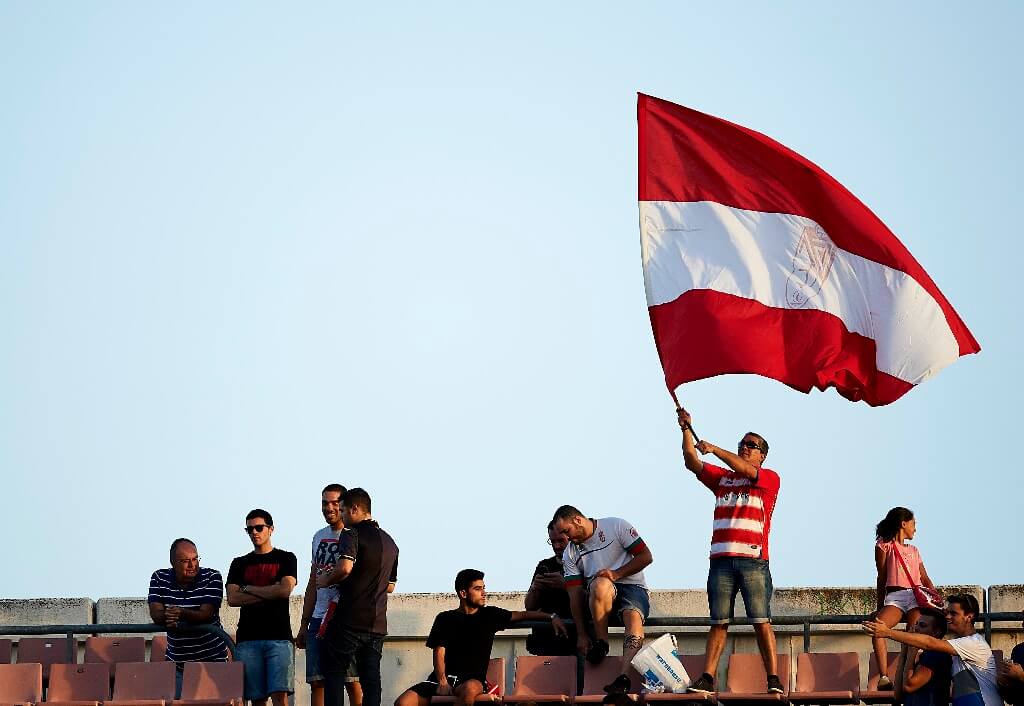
(757, 261)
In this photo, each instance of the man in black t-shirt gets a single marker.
(462, 640)
(548, 595)
(260, 583)
(924, 676)
(355, 625)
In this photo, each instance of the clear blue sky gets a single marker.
(247, 249)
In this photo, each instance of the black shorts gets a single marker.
(428, 689)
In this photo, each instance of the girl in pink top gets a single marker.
(895, 595)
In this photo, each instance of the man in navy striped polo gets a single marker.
(187, 594)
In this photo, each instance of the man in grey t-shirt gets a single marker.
(318, 601)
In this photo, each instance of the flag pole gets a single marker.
(679, 408)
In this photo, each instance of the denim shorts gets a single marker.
(631, 596)
(751, 577)
(905, 600)
(269, 667)
(313, 671)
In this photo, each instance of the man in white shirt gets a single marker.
(603, 566)
(974, 667)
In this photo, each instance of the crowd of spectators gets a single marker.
(594, 575)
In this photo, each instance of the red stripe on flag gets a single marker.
(803, 348)
(686, 155)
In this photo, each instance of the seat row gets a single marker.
(821, 678)
(110, 650)
(207, 683)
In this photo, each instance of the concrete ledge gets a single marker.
(46, 611)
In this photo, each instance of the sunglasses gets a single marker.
(751, 445)
(255, 528)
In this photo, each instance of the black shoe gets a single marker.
(705, 684)
(884, 684)
(598, 651)
(619, 686)
(774, 685)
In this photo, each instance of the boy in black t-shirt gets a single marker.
(923, 676)
(260, 583)
(462, 639)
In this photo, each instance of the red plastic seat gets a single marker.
(158, 648)
(44, 651)
(747, 681)
(694, 666)
(5, 651)
(871, 695)
(596, 676)
(143, 681)
(209, 682)
(79, 682)
(112, 650)
(827, 678)
(21, 683)
(544, 680)
(495, 677)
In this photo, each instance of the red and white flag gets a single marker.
(757, 261)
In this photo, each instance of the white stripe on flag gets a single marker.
(739, 524)
(789, 262)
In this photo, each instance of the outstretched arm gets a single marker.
(876, 628)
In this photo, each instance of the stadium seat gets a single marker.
(112, 650)
(5, 651)
(21, 683)
(694, 666)
(210, 682)
(158, 649)
(79, 682)
(747, 681)
(871, 695)
(495, 677)
(596, 676)
(543, 680)
(826, 678)
(44, 651)
(143, 681)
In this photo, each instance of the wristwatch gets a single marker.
(244, 588)
(553, 616)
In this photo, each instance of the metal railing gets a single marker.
(71, 630)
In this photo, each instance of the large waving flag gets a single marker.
(757, 261)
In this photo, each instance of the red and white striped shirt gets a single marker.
(743, 511)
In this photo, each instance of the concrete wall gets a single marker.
(407, 660)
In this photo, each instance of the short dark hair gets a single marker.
(551, 525)
(566, 512)
(260, 514)
(967, 603)
(333, 488)
(938, 616)
(180, 540)
(764, 442)
(356, 497)
(466, 577)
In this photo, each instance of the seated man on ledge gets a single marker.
(462, 640)
(604, 565)
(548, 595)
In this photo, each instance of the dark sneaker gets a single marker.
(884, 683)
(619, 686)
(598, 651)
(774, 685)
(705, 684)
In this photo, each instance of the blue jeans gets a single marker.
(338, 649)
(751, 577)
(269, 667)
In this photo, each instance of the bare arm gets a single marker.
(633, 566)
(391, 587)
(308, 606)
(556, 623)
(156, 612)
(880, 581)
(439, 670)
(876, 628)
(736, 464)
(917, 675)
(203, 614)
(275, 591)
(577, 604)
(925, 578)
(338, 574)
(237, 598)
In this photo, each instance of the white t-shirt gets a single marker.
(974, 673)
(612, 545)
(325, 556)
